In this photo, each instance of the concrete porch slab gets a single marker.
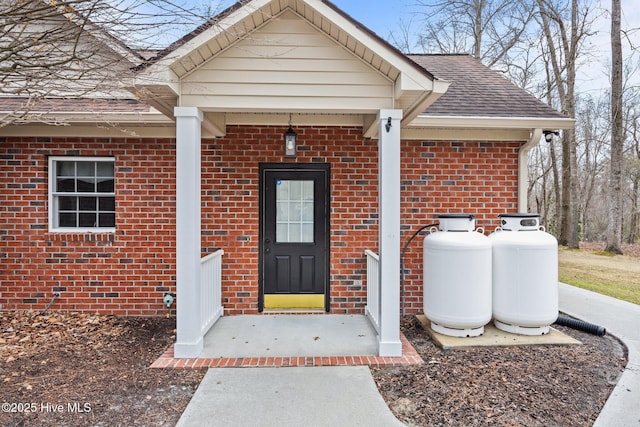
(494, 337)
(290, 335)
(288, 341)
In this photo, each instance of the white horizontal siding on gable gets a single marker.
(285, 65)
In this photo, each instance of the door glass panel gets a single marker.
(307, 232)
(294, 211)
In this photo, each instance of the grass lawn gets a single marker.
(617, 276)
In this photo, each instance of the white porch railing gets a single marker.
(373, 289)
(210, 290)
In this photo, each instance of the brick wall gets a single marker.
(478, 178)
(128, 272)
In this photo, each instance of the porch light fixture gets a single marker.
(548, 134)
(290, 141)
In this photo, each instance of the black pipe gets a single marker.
(404, 249)
(581, 325)
(55, 296)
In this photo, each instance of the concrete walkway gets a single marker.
(288, 397)
(621, 319)
(347, 395)
(291, 395)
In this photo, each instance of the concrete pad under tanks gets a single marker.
(290, 335)
(283, 397)
(494, 337)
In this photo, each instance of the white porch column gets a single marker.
(389, 198)
(188, 336)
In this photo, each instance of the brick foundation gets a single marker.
(128, 271)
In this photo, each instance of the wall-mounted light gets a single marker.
(290, 141)
(548, 134)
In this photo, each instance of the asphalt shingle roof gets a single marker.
(478, 91)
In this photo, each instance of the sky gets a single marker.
(382, 17)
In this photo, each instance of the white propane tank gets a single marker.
(457, 277)
(525, 275)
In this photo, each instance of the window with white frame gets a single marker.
(82, 194)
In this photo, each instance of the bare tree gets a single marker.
(614, 232)
(486, 29)
(565, 26)
(634, 175)
(401, 38)
(592, 129)
(73, 48)
(540, 192)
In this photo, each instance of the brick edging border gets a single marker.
(409, 357)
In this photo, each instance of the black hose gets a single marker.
(404, 249)
(581, 325)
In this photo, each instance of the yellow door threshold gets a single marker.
(294, 301)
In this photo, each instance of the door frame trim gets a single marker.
(296, 167)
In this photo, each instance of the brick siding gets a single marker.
(471, 177)
(128, 271)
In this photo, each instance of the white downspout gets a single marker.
(523, 169)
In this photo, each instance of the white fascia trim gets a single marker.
(64, 118)
(486, 122)
(156, 75)
(425, 100)
(91, 130)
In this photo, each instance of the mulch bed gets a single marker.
(79, 369)
(510, 386)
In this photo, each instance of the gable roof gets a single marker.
(411, 87)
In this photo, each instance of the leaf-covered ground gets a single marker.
(80, 369)
(510, 386)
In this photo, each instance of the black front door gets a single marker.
(294, 236)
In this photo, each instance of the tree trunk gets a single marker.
(477, 30)
(557, 194)
(634, 225)
(569, 204)
(563, 60)
(614, 229)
